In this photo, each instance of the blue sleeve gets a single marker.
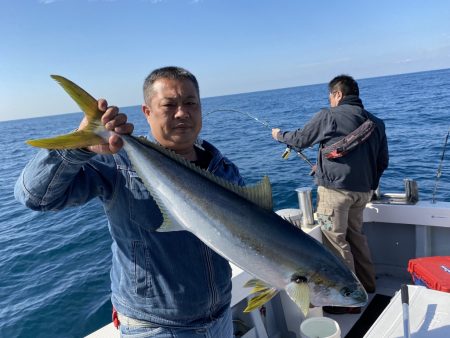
(239, 180)
(230, 172)
(57, 179)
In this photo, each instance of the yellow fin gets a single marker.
(254, 282)
(263, 292)
(84, 100)
(257, 285)
(258, 289)
(260, 299)
(299, 293)
(78, 139)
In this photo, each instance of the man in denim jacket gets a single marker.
(163, 284)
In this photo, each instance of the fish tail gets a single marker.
(90, 135)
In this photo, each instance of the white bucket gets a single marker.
(320, 327)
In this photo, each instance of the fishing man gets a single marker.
(164, 284)
(346, 180)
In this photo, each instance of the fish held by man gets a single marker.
(236, 222)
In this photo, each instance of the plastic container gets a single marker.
(320, 327)
(431, 272)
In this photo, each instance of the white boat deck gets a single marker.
(108, 331)
(396, 233)
(385, 286)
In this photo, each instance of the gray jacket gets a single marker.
(359, 170)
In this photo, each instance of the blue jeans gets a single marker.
(220, 328)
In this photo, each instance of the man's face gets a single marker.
(173, 111)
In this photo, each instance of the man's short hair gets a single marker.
(344, 83)
(172, 73)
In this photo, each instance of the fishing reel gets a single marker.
(287, 152)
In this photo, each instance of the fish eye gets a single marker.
(298, 279)
(346, 292)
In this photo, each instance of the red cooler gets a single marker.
(432, 272)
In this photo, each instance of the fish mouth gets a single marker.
(359, 296)
(345, 296)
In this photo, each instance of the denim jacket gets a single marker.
(169, 279)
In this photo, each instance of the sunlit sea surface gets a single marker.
(54, 267)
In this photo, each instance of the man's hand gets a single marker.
(275, 132)
(114, 121)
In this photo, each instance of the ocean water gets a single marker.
(54, 267)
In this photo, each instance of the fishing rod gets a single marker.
(439, 171)
(264, 123)
(286, 153)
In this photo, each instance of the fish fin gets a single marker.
(299, 293)
(84, 100)
(260, 193)
(168, 223)
(79, 139)
(263, 293)
(260, 299)
(257, 285)
(254, 282)
(168, 226)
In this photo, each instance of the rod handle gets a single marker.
(404, 292)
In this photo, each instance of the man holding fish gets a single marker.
(167, 282)
(162, 283)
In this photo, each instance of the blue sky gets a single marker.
(232, 46)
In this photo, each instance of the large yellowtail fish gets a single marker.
(236, 222)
